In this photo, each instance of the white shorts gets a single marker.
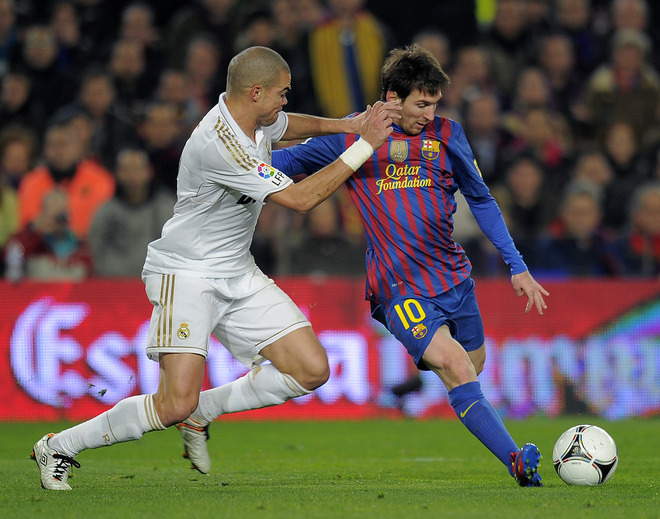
(245, 313)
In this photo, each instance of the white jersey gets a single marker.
(224, 178)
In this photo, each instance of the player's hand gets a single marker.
(377, 123)
(355, 123)
(525, 284)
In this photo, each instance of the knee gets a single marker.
(174, 410)
(314, 374)
(452, 364)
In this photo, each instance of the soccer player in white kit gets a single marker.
(202, 279)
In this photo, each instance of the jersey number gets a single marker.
(412, 311)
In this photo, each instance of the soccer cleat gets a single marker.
(525, 464)
(194, 444)
(54, 467)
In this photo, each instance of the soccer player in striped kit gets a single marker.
(418, 277)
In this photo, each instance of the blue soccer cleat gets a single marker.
(525, 464)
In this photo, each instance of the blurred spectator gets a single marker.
(634, 15)
(87, 184)
(201, 66)
(324, 249)
(574, 19)
(47, 249)
(81, 122)
(259, 29)
(532, 205)
(655, 161)
(508, 46)
(630, 14)
(630, 167)
(287, 25)
(640, 245)
(592, 166)
(346, 53)
(99, 20)
(457, 19)
(488, 138)
(543, 135)
(531, 90)
(173, 88)
(161, 139)
(470, 76)
(18, 147)
(124, 226)
(538, 17)
(292, 20)
(578, 245)
(531, 106)
(217, 18)
(436, 43)
(138, 26)
(268, 242)
(128, 68)
(9, 36)
(8, 209)
(52, 85)
(627, 89)
(557, 60)
(65, 23)
(112, 127)
(17, 105)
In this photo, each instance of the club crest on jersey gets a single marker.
(430, 149)
(399, 150)
(183, 332)
(419, 331)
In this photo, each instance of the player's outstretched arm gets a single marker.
(525, 284)
(313, 190)
(304, 126)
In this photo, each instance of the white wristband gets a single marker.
(357, 154)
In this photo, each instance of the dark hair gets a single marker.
(412, 68)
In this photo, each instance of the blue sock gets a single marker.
(482, 420)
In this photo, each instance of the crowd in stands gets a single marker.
(560, 101)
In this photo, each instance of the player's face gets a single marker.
(273, 99)
(418, 109)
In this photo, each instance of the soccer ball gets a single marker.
(585, 455)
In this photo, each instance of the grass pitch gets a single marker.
(381, 469)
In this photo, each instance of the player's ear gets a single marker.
(392, 96)
(255, 92)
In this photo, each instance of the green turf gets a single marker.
(381, 469)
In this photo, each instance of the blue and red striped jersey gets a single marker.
(405, 197)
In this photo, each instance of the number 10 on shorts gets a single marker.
(411, 311)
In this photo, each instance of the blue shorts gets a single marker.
(414, 320)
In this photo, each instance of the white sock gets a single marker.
(264, 386)
(128, 420)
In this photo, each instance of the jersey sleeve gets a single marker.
(482, 204)
(310, 156)
(278, 129)
(231, 166)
